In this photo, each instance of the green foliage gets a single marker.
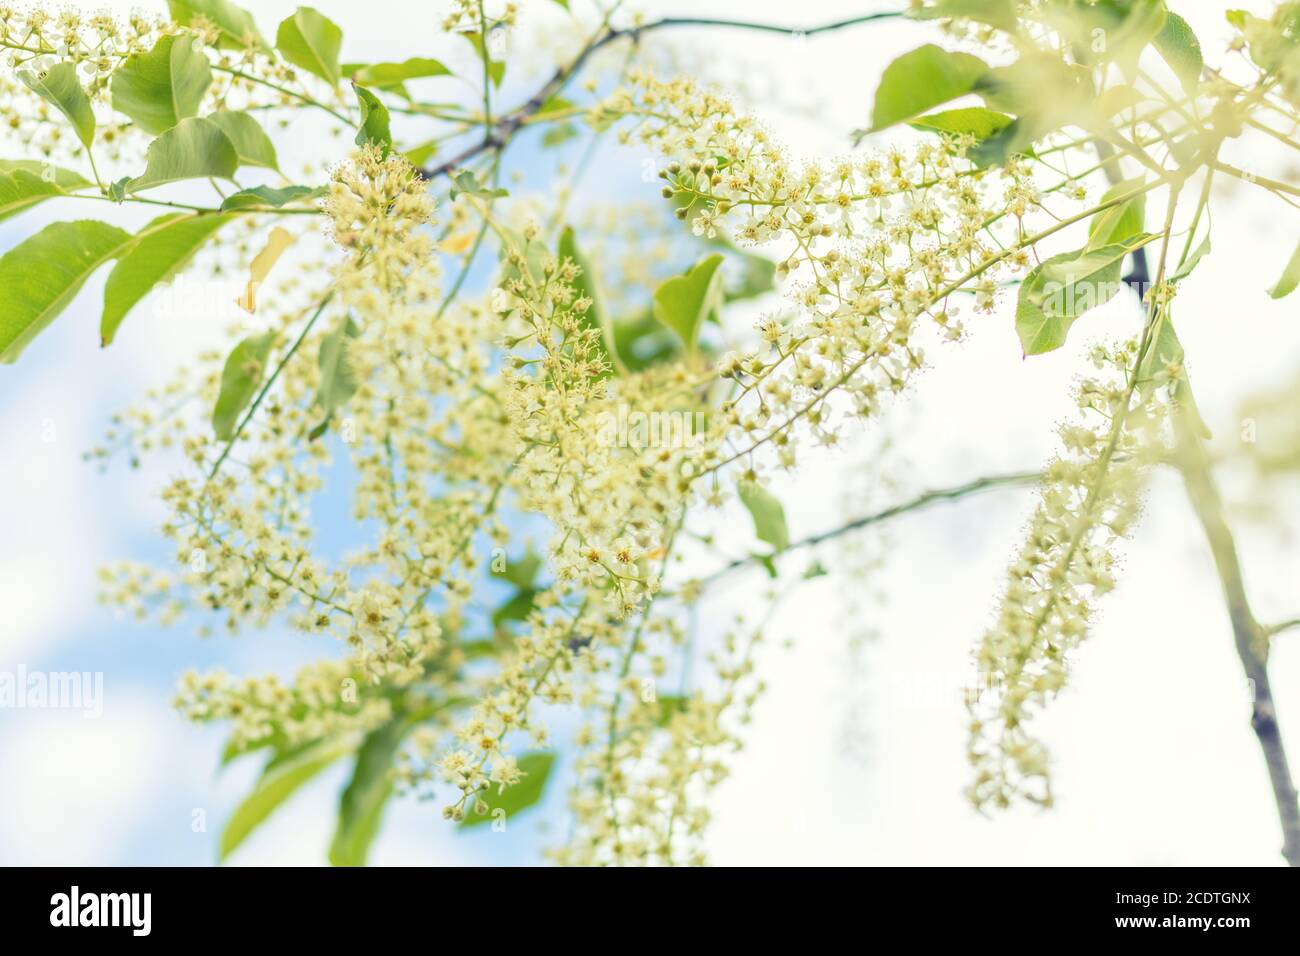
(1290, 277)
(1064, 287)
(921, 80)
(60, 87)
(1043, 93)
(235, 24)
(496, 69)
(466, 182)
(973, 120)
(523, 575)
(161, 250)
(537, 767)
(24, 183)
(669, 706)
(684, 303)
(268, 196)
(251, 144)
(361, 807)
(997, 13)
(240, 378)
(195, 148)
(1121, 222)
(384, 75)
(160, 88)
(282, 777)
(337, 383)
(1184, 270)
(587, 284)
(310, 40)
(1166, 352)
(374, 126)
(41, 275)
(767, 512)
(1181, 50)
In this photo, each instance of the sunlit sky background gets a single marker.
(846, 763)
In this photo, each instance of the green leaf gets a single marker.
(22, 187)
(922, 79)
(63, 178)
(559, 134)
(240, 379)
(195, 148)
(466, 182)
(1183, 271)
(160, 88)
(268, 196)
(1142, 23)
(1164, 351)
(768, 515)
(1119, 223)
(235, 23)
(496, 69)
(683, 303)
(815, 570)
(311, 40)
(374, 120)
(252, 145)
(278, 783)
(556, 104)
(1290, 277)
(522, 795)
(361, 807)
(59, 86)
(588, 285)
(515, 608)
(975, 120)
(162, 249)
(522, 573)
(998, 13)
(1064, 287)
(1043, 92)
(1181, 50)
(417, 156)
(669, 706)
(235, 749)
(381, 75)
(337, 382)
(42, 275)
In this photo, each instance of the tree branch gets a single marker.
(916, 504)
(499, 133)
(1250, 638)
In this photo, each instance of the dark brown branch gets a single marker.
(505, 127)
(1249, 636)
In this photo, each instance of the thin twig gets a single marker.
(499, 133)
(921, 501)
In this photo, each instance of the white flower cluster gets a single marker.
(1090, 499)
